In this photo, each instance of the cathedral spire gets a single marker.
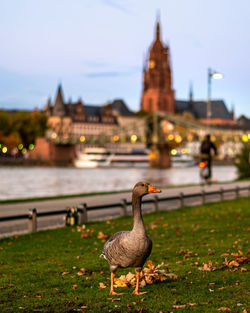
(158, 28)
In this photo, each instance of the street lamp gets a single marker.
(215, 75)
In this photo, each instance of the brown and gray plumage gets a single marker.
(130, 248)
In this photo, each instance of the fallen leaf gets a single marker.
(74, 286)
(65, 273)
(179, 306)
(224, 309)
(102, 286)
(192, 304)
(243, 269)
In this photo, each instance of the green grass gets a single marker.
(31, 266)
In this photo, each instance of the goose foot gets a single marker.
(137, 293)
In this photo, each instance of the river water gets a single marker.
(27, 182)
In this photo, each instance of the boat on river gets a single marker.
(101, 157)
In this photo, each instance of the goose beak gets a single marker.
(152, 189)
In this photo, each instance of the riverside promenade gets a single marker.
(17, 227)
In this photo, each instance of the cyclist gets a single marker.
(206, 155)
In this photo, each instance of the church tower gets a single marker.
(157, 94)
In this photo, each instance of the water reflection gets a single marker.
(24, 182)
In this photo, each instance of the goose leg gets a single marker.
(136, 291)
(112, 292)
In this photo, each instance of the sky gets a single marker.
(96, 48)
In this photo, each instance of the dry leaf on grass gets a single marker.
(149, 275)
(224, 309)
(101, 235)
(102, 286)
(179, 306)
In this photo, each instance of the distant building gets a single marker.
(158, 94)
(68, 120)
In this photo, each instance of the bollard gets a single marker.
(32, 221)
(156, 203)
(82, 214)
(237, 192)
(181, 199)
(203, 198)
(221, 194)
(123, 209)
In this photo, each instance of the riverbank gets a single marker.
(46, 182)
(74, 278)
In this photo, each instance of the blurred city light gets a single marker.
(24, 151)
(217, 75)
(4, 149)
(202, 164)
(20, 146)
(116, 138)
(170, 137)
(54, 135)
(82, 138)
(244, 138)
(133, 138)
(178, 138)
(173, 151)
(31, 146)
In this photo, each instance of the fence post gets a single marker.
(181, 199)
(221, 194)
(237, 192)
(156, 203)
(203, 198)
(82, 214)
(32, 220)
(123, 209)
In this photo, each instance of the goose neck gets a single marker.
(137, 215)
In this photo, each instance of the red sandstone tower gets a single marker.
(157, 94)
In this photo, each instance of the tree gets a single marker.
(242, 161)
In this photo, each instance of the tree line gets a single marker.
(21, 128)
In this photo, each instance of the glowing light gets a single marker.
(213, 138)
(203, 164)
(183, 151)
(4, 150)
(178, 139)
(54, 135)
(24, 151)
(190, 137)
(82, 138)
(116, 138)
(170, 137)
(31, 146)
(244, 138)
(0, 146)
(217, 75)
(133, 138)
(248, 137)
(20, 146)
(173, 151)
(167, 126)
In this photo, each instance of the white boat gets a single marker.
(180, 160)
(101, 157)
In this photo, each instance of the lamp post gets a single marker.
(215, 75)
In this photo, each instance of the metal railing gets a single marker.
(79, 215)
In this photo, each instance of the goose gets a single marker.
(130, 248)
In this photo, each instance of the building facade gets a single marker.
(158, 94)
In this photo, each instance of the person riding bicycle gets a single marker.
(206, 154)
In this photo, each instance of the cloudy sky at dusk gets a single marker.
(95, 48)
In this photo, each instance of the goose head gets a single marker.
(143, 188)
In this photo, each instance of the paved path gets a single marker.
(7, 228)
